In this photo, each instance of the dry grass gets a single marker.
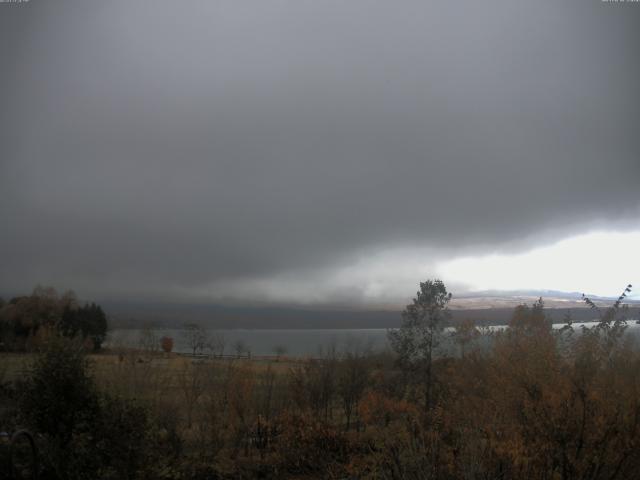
(106, 365)
(14, 365)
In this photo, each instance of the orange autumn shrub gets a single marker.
(166, 343)
(306, 445)
(376, 408)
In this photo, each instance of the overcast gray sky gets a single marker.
(313, 151)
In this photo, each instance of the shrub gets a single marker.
(85, 434)
(167, 344)
(306, 445)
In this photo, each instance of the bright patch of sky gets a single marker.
(599, 263)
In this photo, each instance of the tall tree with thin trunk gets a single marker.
(420, 334)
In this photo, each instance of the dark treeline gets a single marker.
(26, 322)
(526, 402)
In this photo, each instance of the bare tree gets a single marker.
(314, 384)
(279, 350)
(216, 344)
(353, 377)
(195, 337)
(148, 340)
(266, 386)
(192, 382)
(464, 334)
(240, 348)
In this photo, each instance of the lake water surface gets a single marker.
(297, 342)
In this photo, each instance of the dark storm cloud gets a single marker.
(158, 147)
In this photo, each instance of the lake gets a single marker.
(297, 342)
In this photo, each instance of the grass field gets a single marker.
(14, 365)
(189, 388)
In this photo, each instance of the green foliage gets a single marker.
(123, 438)
(422, 324)
(59, 400)
(86, 434)
(59, 393)
(420, 334)
(89, 321)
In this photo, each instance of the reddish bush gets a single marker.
(167, 344)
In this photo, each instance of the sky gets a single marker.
(318, 152)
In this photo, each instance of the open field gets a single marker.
(105, 365)
(13, 365)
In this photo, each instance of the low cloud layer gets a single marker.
(287, 150)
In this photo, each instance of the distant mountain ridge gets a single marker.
(520, 293)
(551, 298)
